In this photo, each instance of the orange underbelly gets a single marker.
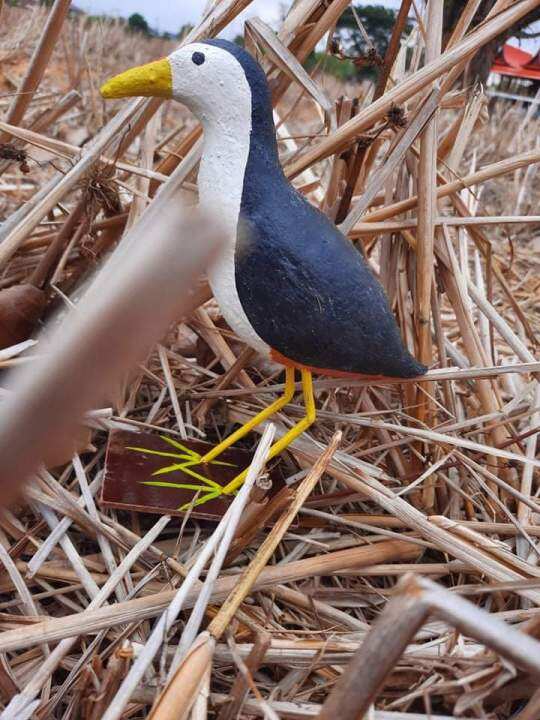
(278, 357)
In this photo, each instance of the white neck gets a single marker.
(222, 170)
(221, 182)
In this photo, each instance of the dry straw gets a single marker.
(317, 604)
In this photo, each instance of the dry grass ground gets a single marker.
(331, 610)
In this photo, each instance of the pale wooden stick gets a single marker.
(43, 552)
(290, 710)
(18, 582)
(437, 375)
(220, 16)
(427, 208)
(219, 623)
(463, 23)
(68, 151)
(169, 381)
(197, 614)
(173, 704)
(375, 228)
(72, 555)
(67, 102)
(91, 508)
(286, 61)
(191, 676)
(526, 487)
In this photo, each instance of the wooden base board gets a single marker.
(127, 470)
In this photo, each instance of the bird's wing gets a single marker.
(312, 297)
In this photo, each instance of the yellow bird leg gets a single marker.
(290, 436)
(275, 407)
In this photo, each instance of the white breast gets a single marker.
(223, 284)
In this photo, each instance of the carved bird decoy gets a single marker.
(289, 283)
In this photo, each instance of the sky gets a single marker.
(170, 15)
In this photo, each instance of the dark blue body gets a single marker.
(304, 287)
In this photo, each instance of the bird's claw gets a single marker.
(189, 459)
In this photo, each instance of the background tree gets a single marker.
(185, 30)
(138, 23)
(378, 22)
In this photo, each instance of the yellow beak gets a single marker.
(151, 80)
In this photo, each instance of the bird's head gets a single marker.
(213, 78)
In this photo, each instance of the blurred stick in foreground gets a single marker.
(146, 285)
(417, 599)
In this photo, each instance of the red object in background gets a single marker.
(517, 63)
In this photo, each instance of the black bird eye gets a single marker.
(198, 58)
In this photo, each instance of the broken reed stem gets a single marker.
(197, 614)
(12, 237)
(89, 621)
(425, 237)
(386, 170)
(240, 687)
(56, 247)
(437, 375)
(22, 702)
(358, 687)
(489, 172)
(445, 541)
(393, 48)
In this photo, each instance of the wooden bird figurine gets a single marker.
(289, 283)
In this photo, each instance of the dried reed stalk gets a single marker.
(38, 63)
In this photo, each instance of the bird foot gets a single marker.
(189, 459)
